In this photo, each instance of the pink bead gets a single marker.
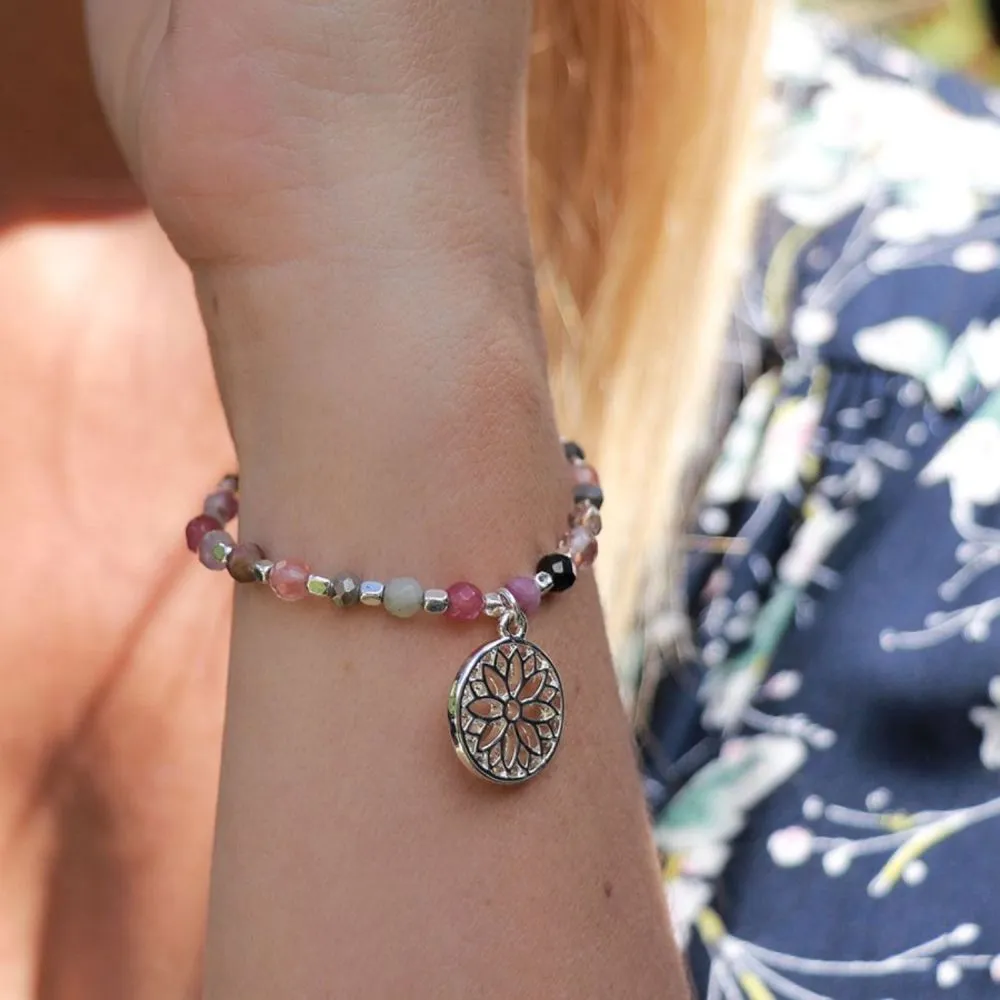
(586, 475)
(288, 579)
(465, 602)
(222, 505)
(582, 547)
(526, 592)
(207, 549)
(197, 528)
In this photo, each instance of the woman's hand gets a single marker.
(334, 171)
(238, 115)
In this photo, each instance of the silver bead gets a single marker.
(221, 550)
(493, 605)
(345, 590)
(262, 570)
(372, 593)
(318, 586)
(403, 597)
(436, 602)
(544, 581)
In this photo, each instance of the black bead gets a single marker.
(574, 453)
(586, 493)
(560, 568)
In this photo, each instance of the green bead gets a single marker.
(403, 597)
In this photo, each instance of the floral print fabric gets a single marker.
(825, 774)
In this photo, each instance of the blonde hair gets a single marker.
(640, 115)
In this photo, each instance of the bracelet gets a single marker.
(506, 707)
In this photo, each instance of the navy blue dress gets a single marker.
(825, 775)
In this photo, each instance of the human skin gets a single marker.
(339, 177)
(112, 644)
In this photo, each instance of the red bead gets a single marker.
(586, 475)
(288, 579)
(465, 602)
(197, 528)
(222, 505)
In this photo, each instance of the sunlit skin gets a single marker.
(339, 178)
(113, 645)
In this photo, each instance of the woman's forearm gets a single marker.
(346, 180)
(355, 857)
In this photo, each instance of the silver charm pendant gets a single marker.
(506, 705)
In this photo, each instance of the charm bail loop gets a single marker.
(513, 622)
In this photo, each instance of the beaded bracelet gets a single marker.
(506, 708)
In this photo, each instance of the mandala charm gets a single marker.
(506, 709)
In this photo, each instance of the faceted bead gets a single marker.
(573, 452)
(586, 475)
(582, 546)
(241, 561)
(222, 505)
(403, 597)
(215, 548)
(288, 579)
(345, 590)
(585, 515)
(592, 520)
(435, 601)
(197, 528)
(466, 602)
(318, 586)
(526, 592)
(588, 493)
(560, 567)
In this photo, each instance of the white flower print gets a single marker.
(988, 719)
(983, 345)
(910, 345)
(976, 256)
(870, 134)
(969, 463)
(823, 527)
(812, 326)
(786, 443)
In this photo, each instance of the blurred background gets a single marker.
(959, 34)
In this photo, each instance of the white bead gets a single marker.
(403, 597)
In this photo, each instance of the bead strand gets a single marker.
(402, 597)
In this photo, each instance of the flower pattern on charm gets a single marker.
(517, 712)
(512, 706)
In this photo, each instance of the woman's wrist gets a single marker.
(425, 400)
